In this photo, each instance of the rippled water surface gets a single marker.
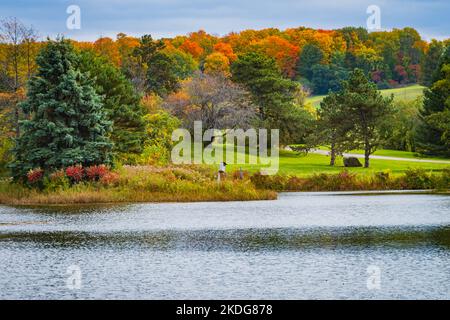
(304, 245)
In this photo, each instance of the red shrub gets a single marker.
(96, 172)
(75, 173)
(110, 179)
(35, 175)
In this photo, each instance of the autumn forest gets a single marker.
(70, 105)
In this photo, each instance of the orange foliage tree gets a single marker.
(217, 63)
(204, 40)
(284, 53)
(108, 48)
(226, 50)
(192, 48)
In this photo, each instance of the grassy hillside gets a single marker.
(405, 93)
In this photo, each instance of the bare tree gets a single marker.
(30, 37)
(214, 100)
(17, 42)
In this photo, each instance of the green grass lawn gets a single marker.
(406, 93)
(294, 164)
(396, 154)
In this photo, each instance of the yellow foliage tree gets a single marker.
(217, 63)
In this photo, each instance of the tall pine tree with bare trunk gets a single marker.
(369, 112)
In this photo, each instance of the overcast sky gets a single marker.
(166, 18)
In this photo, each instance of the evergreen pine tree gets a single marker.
(161, 69)
(67, 124)
(260, 75)
(274, 95)
(334, 126)
(431, 135)
(431, 61)
(310, 56)
(121, 103)
(368, 110)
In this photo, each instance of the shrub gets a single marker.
(187, 174)
(344, 180)
(382, 180)
(295, 184)
(275, 182)
(95, 173)
(158, 141)
(259, 180)
(349, 181)
(445, 177)
(441, 181)
(34, 176)
(316, 182)
(417, 179)
(57, 181)
(154, 155)
(75, 173)
(6, 145)
(57, 175)
(110, 179)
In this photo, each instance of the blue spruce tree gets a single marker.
(67, 124)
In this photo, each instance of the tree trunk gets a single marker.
(16, 116)
(16, 120)
(366, 153)
(333, 154)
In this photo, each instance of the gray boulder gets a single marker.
(352, 162)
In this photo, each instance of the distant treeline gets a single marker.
(318, 58)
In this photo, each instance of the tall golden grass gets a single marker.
(141, 184)
(412, 179)
(199, 183)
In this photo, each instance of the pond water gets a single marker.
(301, 246)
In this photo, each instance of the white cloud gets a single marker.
(171, 17)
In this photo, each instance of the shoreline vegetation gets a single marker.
(134, 184)
(198, 183)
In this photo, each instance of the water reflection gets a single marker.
(244, 239)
